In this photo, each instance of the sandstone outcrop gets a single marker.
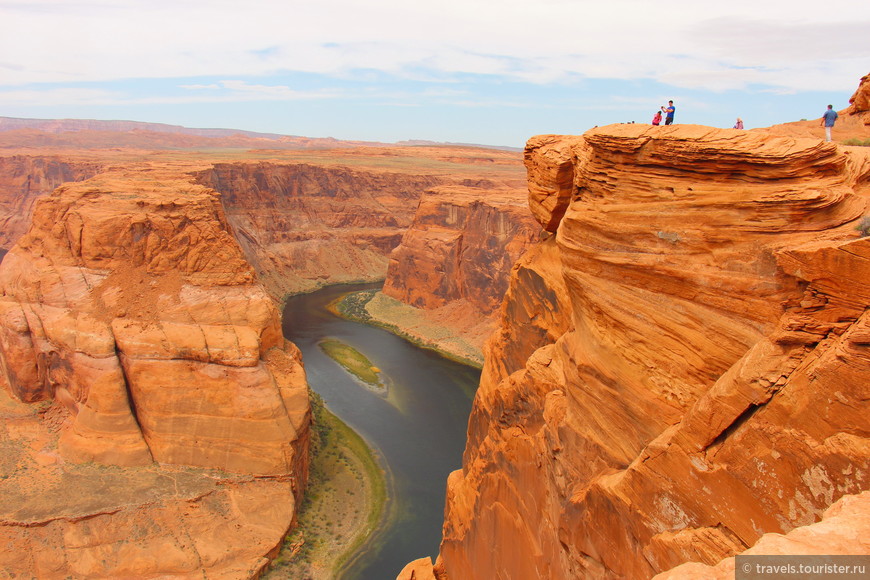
(335, 218)
(843, 531)
(859, 103)
(681, 369)
(130, 318)
(461, 245)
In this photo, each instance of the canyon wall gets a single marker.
(461, 245)
(24, 179)
(133, 334)
(303, 226)
(681, 368)
(447, 277)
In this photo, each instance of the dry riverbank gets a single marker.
(431, 329)
(344, 503)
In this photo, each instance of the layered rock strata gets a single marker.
(131, 319)
(681, 368)
(302, 226)
(461, 245)
(843, 531)
(24, 179)
(454, 262)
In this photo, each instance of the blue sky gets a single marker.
(475, 71)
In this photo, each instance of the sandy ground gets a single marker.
(452, 331)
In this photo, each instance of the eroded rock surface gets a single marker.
(681, 369)
(130, 319)
(843, 531)
(461, 246)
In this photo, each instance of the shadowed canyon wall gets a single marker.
(303, 226)
(461, 227)
(133, 334)
(681, 368)
(24, 179)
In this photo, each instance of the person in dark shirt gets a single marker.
(669, 113)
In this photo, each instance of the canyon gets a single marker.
(676, 367)
(151, 409)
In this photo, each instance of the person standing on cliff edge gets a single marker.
(828, 120)
(669, 113)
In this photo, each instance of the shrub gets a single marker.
(864, 226)
(855, 142)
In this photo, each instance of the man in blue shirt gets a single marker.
(828, 121)
(669, 116)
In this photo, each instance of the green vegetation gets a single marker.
(343, 505)
(353, 361)
(855, 142)
(352, 306)
(864, 226)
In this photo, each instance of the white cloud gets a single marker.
(229, 91)
(58, 96)
(787, 44)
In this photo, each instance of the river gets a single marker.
(418, 431)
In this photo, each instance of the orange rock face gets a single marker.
(461, 246)
(130, 318)
(860, 101)
(681, 369)
(134, 301)
(843, 531)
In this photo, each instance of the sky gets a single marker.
(492, 72)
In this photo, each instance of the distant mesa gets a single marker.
(93, 133)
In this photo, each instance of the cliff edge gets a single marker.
(681, 368)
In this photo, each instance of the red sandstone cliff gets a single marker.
(338, 217)
(135, 329)
(682, 368)
(454, 263)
